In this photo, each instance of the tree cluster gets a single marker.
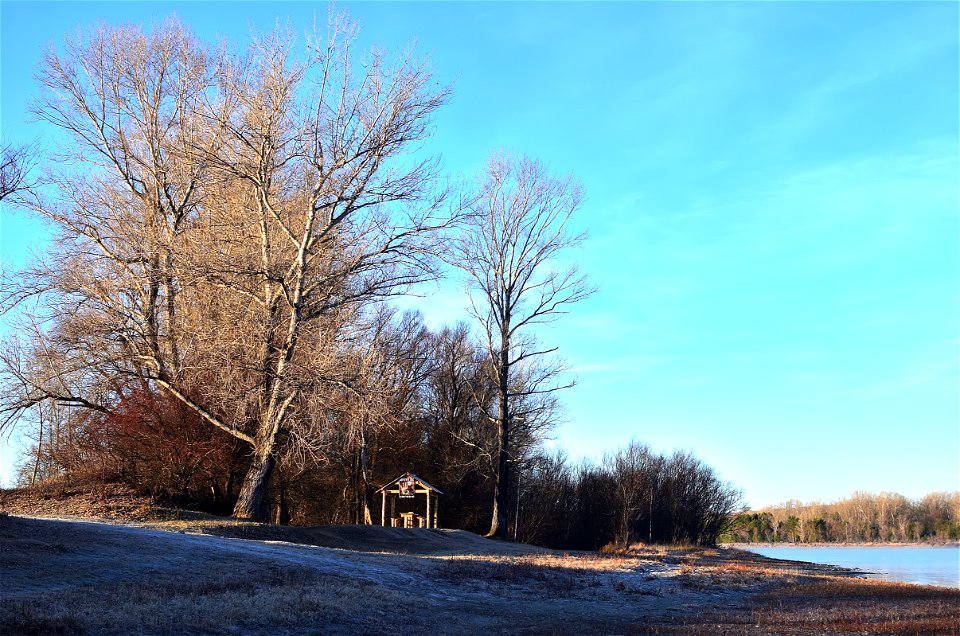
(213, 323)
(634, 495)
(434, 420)
(230, 228)
(862, 518)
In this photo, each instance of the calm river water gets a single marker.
(926, 565)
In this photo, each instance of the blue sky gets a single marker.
(772, 200)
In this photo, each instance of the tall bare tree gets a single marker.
(232, 213)
(519, 227)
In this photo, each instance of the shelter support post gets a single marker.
(383, 509)
(428, 509)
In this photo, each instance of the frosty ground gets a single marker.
(69, 576)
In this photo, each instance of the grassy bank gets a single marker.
(167, 572)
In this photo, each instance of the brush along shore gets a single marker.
(205, 575)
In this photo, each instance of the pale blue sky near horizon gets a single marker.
(772, 201)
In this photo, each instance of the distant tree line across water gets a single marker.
(861, 518)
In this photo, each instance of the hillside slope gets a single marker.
(64, 576)
(87, 577)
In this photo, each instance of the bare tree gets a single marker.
(519, 226)
(635, 470)
(233, 214)
(458, 397)
(343, 216)
(391, 363)
(15, 164)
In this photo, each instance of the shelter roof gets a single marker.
(420, 482)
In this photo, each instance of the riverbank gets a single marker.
(182, 576)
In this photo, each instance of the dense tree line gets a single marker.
(634, 495)
(862, 518)
(438, 428)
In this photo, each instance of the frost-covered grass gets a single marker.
(69, 577)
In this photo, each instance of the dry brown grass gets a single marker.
(581, 562)
(830, 605)
(863, 606)
(280, 601)
(555, 581)
(70, 498)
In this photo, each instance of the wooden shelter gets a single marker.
(407, 487)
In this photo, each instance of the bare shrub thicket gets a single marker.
(633, 496)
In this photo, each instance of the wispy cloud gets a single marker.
(631, 365)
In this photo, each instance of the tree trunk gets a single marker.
(282, 516)
(364, 493)
(252, 503)
(36, 465)
(501, 495)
